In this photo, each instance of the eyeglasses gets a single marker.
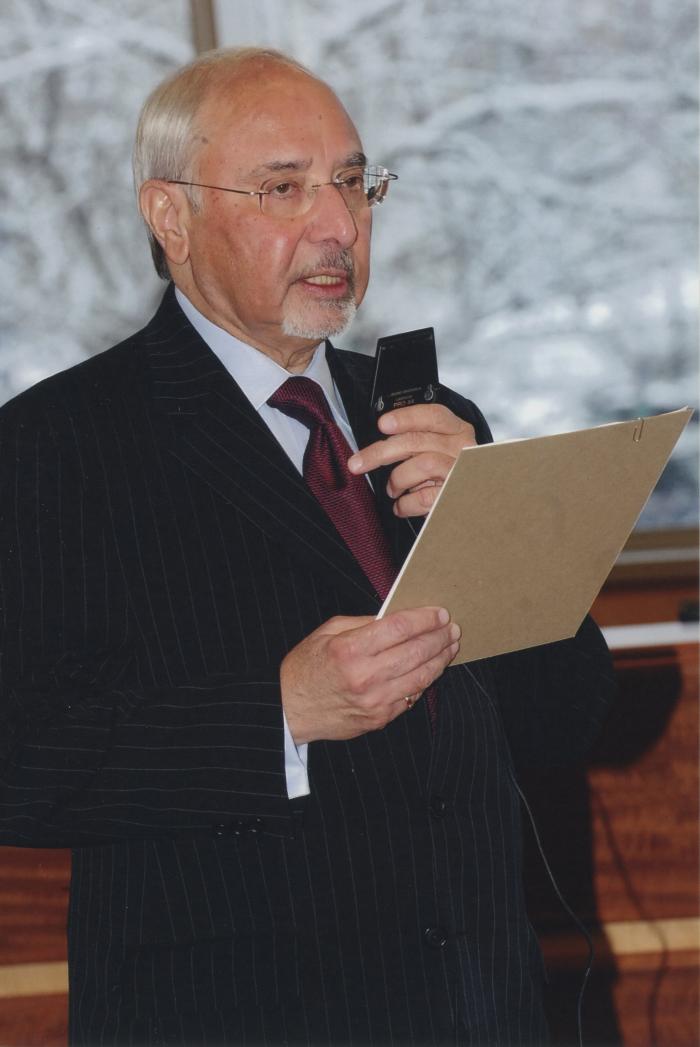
(359, 187)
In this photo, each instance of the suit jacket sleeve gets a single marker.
(89, 752)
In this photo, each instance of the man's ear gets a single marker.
(165, 209)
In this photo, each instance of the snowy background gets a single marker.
(544, 221)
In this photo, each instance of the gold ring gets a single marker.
(409, 701)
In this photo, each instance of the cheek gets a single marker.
(361, 254)
(266, 255)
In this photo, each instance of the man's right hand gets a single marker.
(353, 675)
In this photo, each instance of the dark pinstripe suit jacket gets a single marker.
(159, 556)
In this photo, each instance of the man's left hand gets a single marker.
(425, 439)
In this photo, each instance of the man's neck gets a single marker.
(293, 354)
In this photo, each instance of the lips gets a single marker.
(323, 280)
(329, 286)
(329, 276)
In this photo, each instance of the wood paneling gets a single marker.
(644, 790)
(33, 901)
(649, 1001)
(654, 580)
(633, 603)
(37, 1021)
(622, 841)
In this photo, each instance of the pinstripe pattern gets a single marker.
(159, 556)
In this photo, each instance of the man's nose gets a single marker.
(330, 217)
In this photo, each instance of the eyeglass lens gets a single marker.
(359, 189)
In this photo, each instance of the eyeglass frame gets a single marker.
(384, 178)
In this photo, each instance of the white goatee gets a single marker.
(340, 315)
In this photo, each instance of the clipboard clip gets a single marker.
(638, 430)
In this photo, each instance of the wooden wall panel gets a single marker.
(33, 901)
(644, 790)
(624, 603)
(34, 1021)
(622, 840)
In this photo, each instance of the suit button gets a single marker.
(219, 830)
(255, 826)
(237, 827)
(439, 806)
(435, 937)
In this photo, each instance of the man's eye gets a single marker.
(284, 190)
(353, 182)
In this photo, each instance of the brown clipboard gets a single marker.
(525, 532)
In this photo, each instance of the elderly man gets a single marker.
(290, 822)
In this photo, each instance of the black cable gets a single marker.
(566, 907)
(562, 900)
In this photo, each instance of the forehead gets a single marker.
(273, 114)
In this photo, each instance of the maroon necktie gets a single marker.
(347, 499)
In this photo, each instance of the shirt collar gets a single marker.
(257, 374)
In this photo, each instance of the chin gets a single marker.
(317, 322)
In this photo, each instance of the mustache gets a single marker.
(331, 259)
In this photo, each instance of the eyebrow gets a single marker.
(357, 159)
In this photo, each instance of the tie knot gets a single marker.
(304, 400)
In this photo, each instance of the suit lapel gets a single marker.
(219, 436)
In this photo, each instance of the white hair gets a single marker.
(166, 138)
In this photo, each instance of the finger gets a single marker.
(346, 623)
(430, 672)
(399, 448)
(409, 700)
(406, 444)
(418, 502)
(393, 630)
(356, 646)
(411, 655)
(421, 470)
(355, 657)
(387, 452)
(434, 418)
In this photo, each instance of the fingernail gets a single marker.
(387, 423)
(455, 631)
(355, 464)
(443, 616)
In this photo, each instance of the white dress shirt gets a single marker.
(259, 376)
